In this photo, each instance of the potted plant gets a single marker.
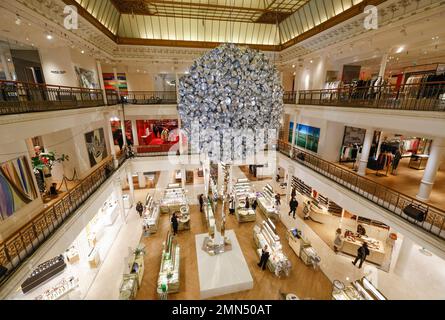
(43, 163)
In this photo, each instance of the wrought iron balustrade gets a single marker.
(387, 198)
(22, 97)
(426, 96)
(150, 97)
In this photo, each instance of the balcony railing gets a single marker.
(23, 243)
(21, 97)
(385, 197)
(150, 97)
(290, 97)
(427, 96)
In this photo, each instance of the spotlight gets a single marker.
(49, 36)
(82, 51)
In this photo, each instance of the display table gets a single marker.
(62, 288)
(376, 248)
(418, 161)
(168, 279)
(183, 218)
(223, 273)
(173, 200)
(243, 189)
(266, 202)
(361, 289)
(151, 215)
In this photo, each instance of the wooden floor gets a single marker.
(407, 181)
(303, 281)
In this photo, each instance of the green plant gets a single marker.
(47, 160)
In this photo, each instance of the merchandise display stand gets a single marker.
(242, 189)
(266, 202)
(183, 218)
(265, 234)
(151, 215)
(132, 280)
(168, 280)
(174, 198)
(209, 218)
(353, 241)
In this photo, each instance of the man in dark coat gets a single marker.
(362, 253)
(293, 205)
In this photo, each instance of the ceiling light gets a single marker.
(18, 21)
(82, 52)
(311, 61)
(293, 66)
(137, 70)
(49, 36)
(9, 59)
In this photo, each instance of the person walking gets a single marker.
(247, 206)
(139, 208)
(254, 204)
(232, 205)
(174, 221)
(201, 202)
(293, 193)
(264, 257)
(362, 253)
(338, 241)
(293, 204)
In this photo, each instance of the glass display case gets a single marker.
(174, 198)
(168, 280)
(243, 190)
(266, 202)
(151, 215)
(361, 289)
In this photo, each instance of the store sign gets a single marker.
(58, 71)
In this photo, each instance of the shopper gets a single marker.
(338, 241)
(293, 204)
(293, 193)
(306, 210)
(247, 203)
(201, 202)
(277, 202)
(174, 221)
(232, 205)
(53, 189)
(362, 253)
(139, 208)
(264, 257)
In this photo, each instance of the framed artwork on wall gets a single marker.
(96, 146)
(17, 187)
(111, 83)
(86, 78)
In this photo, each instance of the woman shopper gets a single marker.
(232, 205)
(338, 240)
(264, 257)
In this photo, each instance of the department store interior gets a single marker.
(154, 150)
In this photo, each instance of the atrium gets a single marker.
(222, 150)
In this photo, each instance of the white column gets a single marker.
(5, 66)
(403, 258)
(101, 80)
(183, 178)
(290, 173)
(120, 200)
(131, 185)
(122, 121)
(294, 129)
(432, 166)
(365, 152)
(110, 139)
(135, 132)
(380, 143)
(142, 181)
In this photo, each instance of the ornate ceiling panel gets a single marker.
(104, 11)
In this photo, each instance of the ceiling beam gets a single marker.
(91, 19)
(332, 22)
(188, 44)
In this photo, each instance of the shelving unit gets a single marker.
(266, 202)
(151, 214)
(168, 280)
(243, 189)
(301, 187)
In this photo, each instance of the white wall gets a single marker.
(65, 59)
(140, 81)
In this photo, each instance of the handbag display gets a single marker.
(416, 212)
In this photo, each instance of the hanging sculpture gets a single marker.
(230, 92)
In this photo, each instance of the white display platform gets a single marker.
(223, 273)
